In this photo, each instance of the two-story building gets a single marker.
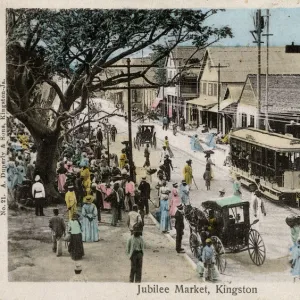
(229, 67)
(174, 97)
(141, 99)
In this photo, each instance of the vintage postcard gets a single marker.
(150, 150)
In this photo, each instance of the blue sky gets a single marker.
(284, 25)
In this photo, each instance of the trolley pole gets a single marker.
(107, 137)
(129, 121)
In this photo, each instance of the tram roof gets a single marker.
(274, 141)
(222, 202)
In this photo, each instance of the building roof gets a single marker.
(241, 61)
(185, 52)
(277, 142)
(204, 101)
(223, 105)
(283, 92)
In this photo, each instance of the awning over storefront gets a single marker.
(156, 102)
(204, 101)
(223, 104)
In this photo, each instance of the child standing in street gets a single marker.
(207, 177)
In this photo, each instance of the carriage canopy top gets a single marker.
(220, 203)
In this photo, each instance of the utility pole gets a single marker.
(129, 88)
(219, 92)
(129, 120)
(267, 70)
(259, 24)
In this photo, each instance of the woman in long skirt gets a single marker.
(61, 172)
(165, 220)
(75, 246)
(175, 200)
(108, 190)
(90, 232)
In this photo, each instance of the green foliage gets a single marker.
(80, 44)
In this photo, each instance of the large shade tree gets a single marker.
(80, 45)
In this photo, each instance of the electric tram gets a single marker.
(271, 157)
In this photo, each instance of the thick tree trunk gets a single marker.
(46, 166)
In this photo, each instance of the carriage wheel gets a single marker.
(154, 142)
(194, 244)
(256, 247)
(219, 253)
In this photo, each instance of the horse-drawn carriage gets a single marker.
(229, 227)
(146, 135)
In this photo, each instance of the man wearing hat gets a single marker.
(179, 226)
(135, 251)
(58, 228)
(144, 187)
(209, 260)
(38, 193)
(237, 186)
(188, 172)
(71, 201)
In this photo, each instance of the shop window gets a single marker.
(244, 120)
(210, 89)
(204, 88)
(215, 89)
(251, 121)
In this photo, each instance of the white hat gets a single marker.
(78, 267)
(37, 178)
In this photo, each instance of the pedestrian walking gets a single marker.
(144, 187)
(135, 251)
(71, 201)
(163, 154)
(258, 209)
(38, 194)
(99, 136)
(165, 123)
(167, 145)
(122, 159)
(75, 247)
(188, 172)
(209, 163)
(175, 200)
(113, 132)
(58, 228)
(179, 226)
(184, 192)
(133, 218)
(129, 194)
(195, 144)
(209, 260)
(237, 186)
(147, 156)
(114, 200)
(90, 232)
(207, 178)
(168, 166)
(165, 220)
